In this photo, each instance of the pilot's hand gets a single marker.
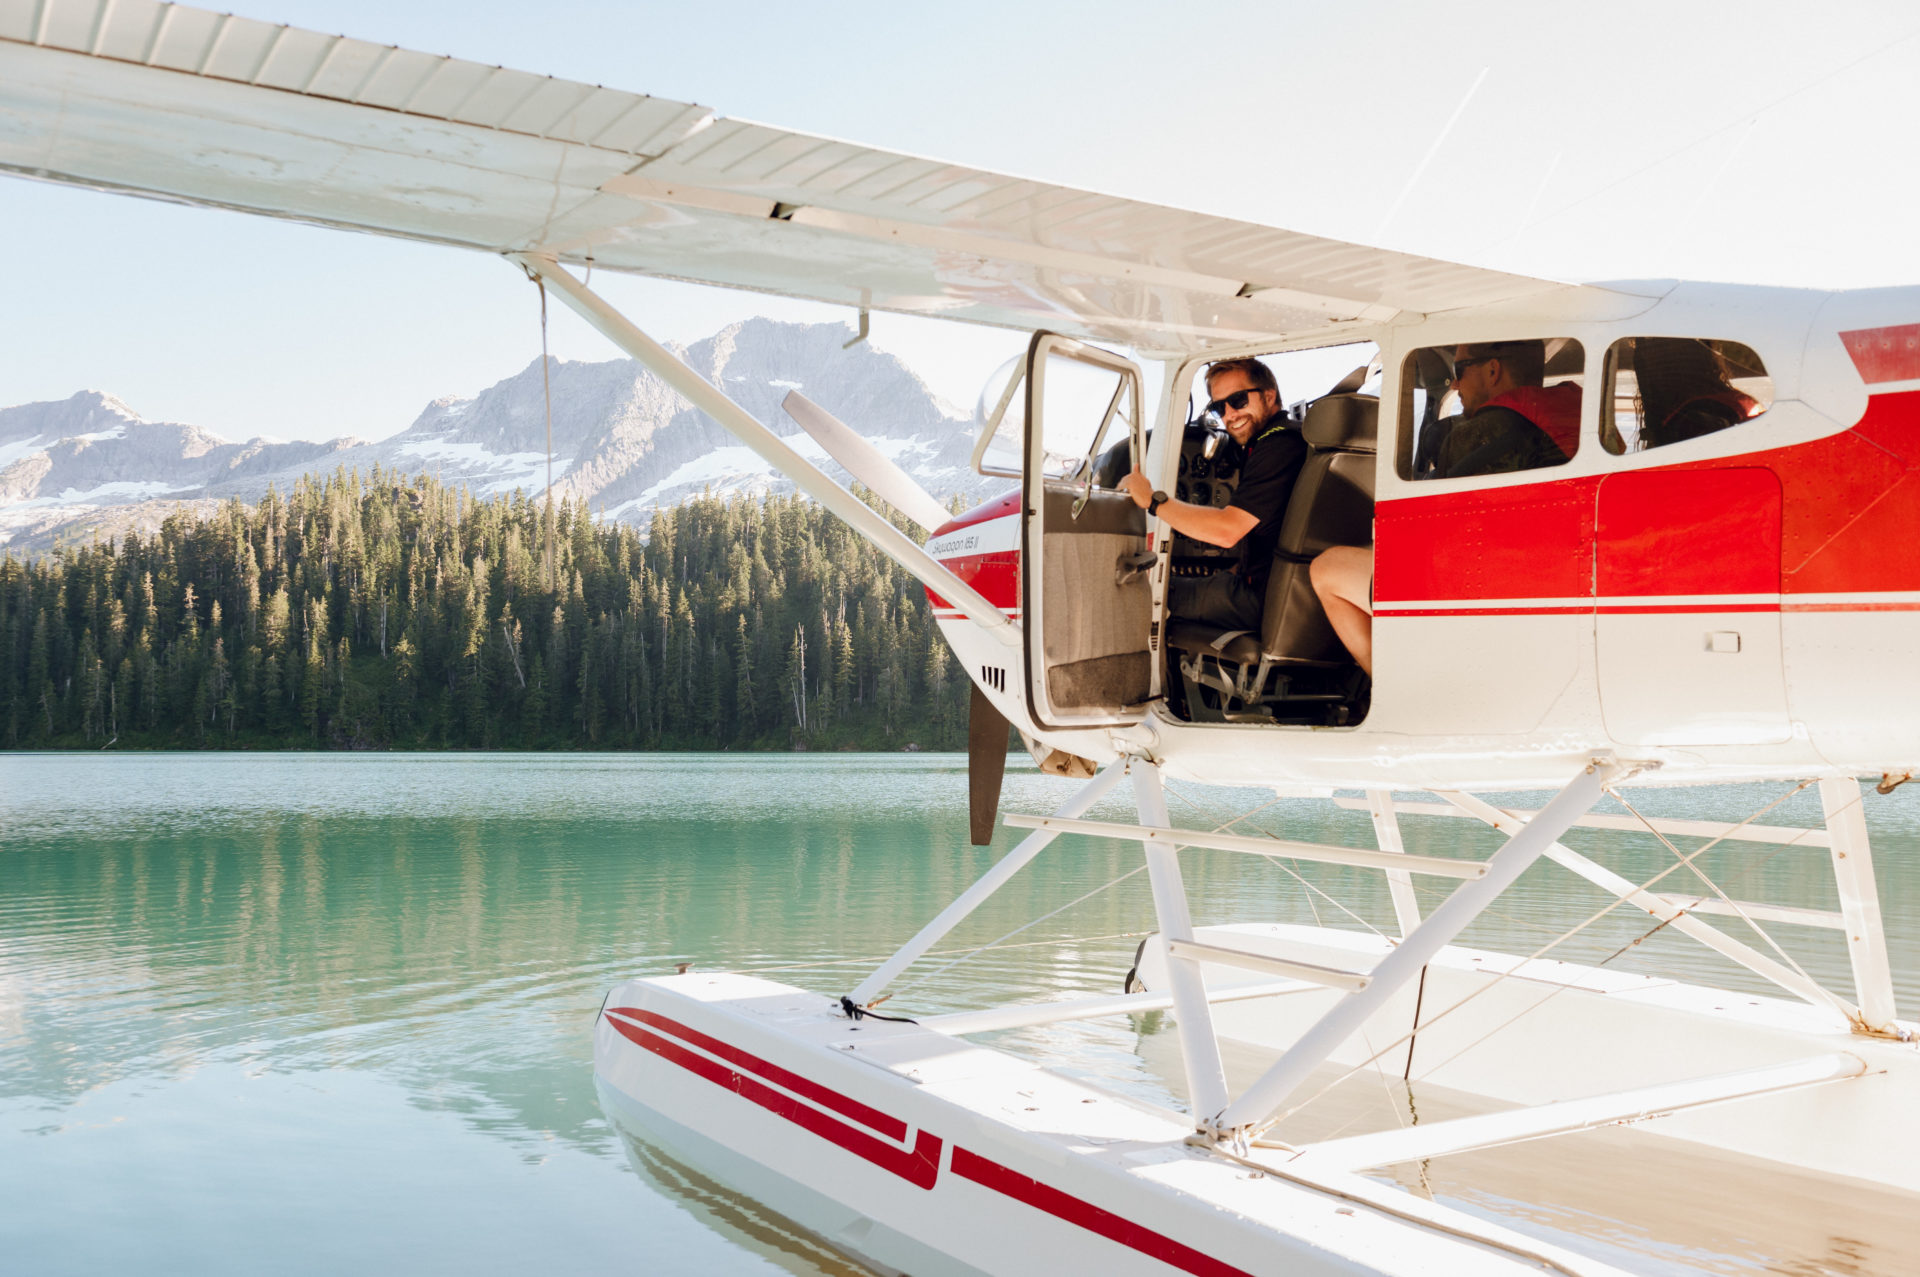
(1138, 488)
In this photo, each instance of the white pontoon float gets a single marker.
(917, 1151)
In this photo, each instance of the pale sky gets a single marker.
(1759, 142)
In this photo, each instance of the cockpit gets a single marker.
(1291, 668)
(1475, 426)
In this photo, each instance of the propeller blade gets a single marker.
(865, 462)
(986, 765)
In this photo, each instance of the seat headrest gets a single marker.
(1349, 422)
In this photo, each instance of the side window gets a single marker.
(1490, 407)
(1663, 390)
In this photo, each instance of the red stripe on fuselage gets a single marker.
(995, 575)
(1885, 354)
(1117, 1228)
(1790, 606)
(987, 511)
(1604, 609)
(1494, 543)
(1844, 500)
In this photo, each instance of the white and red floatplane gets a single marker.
(1709, 579)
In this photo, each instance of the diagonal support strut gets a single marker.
(810, 479)
(1263, 1099)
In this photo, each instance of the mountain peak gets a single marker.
(621, 438)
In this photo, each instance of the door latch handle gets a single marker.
(1133, 566)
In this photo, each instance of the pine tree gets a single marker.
(394, 612)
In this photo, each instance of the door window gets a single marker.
(1085, 404)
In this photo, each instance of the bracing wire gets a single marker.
(546, 390)
(999, 943)
(938, 953)
(1280, 862)
(1685, 861)
(1715, 889)
(1644, 936)
(1139, 869)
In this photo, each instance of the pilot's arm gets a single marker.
(1221, 527)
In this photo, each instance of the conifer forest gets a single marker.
(389, 612)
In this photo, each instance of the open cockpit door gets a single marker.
(1086, 601)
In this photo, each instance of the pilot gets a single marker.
(1508, 420)
(1247, 401)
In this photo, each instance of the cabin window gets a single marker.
(1490, 407)
(1665, 390)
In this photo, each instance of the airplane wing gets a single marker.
(183, 104)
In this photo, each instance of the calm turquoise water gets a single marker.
(319, 1013)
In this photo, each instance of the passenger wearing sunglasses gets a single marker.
(1246, 398)
(1508, 420)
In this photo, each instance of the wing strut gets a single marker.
(810, 479)
(866, 463)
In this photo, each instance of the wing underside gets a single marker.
(184, 104)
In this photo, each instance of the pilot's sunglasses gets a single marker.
(1236, 401)
(1461, 365)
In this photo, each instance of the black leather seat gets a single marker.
(1332, 504)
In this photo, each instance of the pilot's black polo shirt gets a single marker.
(1273, 461)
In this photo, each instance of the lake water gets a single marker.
(321, 1013)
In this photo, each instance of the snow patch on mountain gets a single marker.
(621, 438)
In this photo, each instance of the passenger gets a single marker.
(1247, 401)
(1508, 420)
(1343, 578)
(1683, 391)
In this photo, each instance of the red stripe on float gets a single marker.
(845, 1105)
(1116, 1228)
(920, 1165)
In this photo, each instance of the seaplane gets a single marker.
(1711, 581)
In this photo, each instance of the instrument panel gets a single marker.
(1204, 480)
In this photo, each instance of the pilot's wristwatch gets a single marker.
(1157, 500)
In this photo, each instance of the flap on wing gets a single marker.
(213, 109)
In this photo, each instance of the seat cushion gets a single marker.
(1296, 628)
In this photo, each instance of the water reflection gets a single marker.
(186, 938)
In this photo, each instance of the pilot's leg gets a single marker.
(1343, 578)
